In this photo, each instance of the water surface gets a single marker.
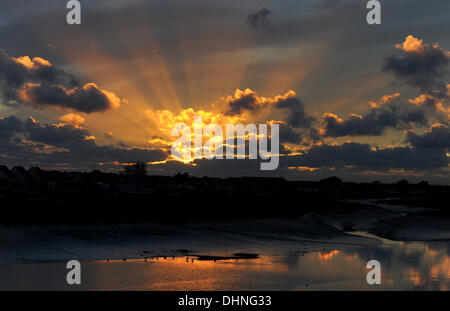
(405, 266)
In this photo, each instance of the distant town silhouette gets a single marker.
(40, 196)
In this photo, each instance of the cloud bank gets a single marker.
(37, 82)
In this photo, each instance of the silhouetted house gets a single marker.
(20, 174)
(133, 184)
(5, 174)
(36, 174)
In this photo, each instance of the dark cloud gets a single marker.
(359, 157)
(261, 20)
(295, 111)
(14, 72)
(356, 125)
(245, 100)
(55, 135)
(10, 126)
(349, 158)
(249, 100)
(390, 112)
(31, 143)
(37, 82)
(89, 98)
(419, 64)
(289, 134)
(422, 65)
(437, 137)
(298, 126)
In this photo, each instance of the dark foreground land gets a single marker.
(184, 233)
(35, 196)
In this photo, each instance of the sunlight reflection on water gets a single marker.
(405, 266)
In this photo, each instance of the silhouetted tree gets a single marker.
(179, 177)
(331, 181)
(403, 183)
(136, 169)
(424, 184)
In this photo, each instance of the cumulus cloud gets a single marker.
(10, 126)
(165, 120)
(289, 134)
(244, 107)
(15, 72)
(422, 65)
(437, 137)
(38, 82)
(295, 111)
(249, 101)
(88, 98)
(55, 135)
(419, 64)
(390, 111)
(73, 119)
(244, 100)
(30, 142)
(434, 106)
(260, 20)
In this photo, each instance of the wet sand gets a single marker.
(310, 252)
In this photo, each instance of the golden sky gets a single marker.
(350, 98)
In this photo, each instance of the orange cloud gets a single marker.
(328, 255)
(165, 120)
(31, 63)
(72, 119)
(386, 99)
(329, 115)
(415, 45)
(411, 44)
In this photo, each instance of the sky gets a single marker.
(362, 102)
